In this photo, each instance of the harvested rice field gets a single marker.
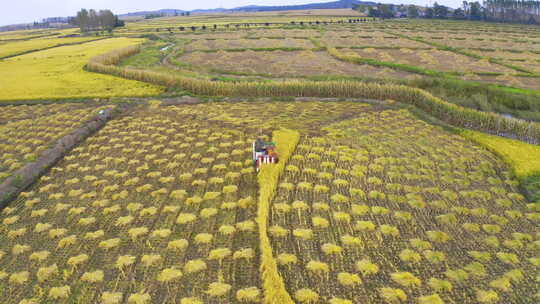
(294, 157)
(366, 40)
(27, 133)
(497, 43)
(283, 64)
(263, 43)
(352, 220)
(444, 61)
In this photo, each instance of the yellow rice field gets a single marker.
(58, 73)
(18, 47)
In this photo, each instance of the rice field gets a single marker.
(26, 46)
(28, 131)
(383, 192)
(444, 61)
(359, 219)
(58, 73)
(354, 219)
(281, 63)
(385, 50)
(207, 45)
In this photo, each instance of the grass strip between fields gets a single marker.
(523, 158)
(268, 178)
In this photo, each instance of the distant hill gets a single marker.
(310, 6)
(258, 8)
(166, 12)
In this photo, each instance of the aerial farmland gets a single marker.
(299, 156)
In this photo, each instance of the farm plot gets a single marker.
(58, 73)
(14, 113)
(433, 59)
(26, 136)
(173, 222)
(306, 117)
(238, 34)
(387, 209)
(287, 33)
(284, 64)
(368, 38)
(262, 43)
(23, 34)
(21, 47)
(529, 65)
(506, 54)
(471, 42)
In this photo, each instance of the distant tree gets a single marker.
(459, 14)
(119, 23)
(107, 20)
(386, 10)
(360, 8)
(82, 20)
(466, 8)
(429, 13)
(440, 11)
(188, 13)
(92, 20)
(373, 12)
(412, 11)
(475, 11)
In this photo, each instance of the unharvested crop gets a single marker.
(55, 73)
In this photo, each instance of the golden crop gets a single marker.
(56, 73)
(20, 47)
(354, 212)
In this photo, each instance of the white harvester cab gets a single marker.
(264, 153)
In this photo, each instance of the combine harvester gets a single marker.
(264, 153)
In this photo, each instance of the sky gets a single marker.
(25, 11)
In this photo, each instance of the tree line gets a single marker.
(518, 11)
(523, 11)
(92, 20)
